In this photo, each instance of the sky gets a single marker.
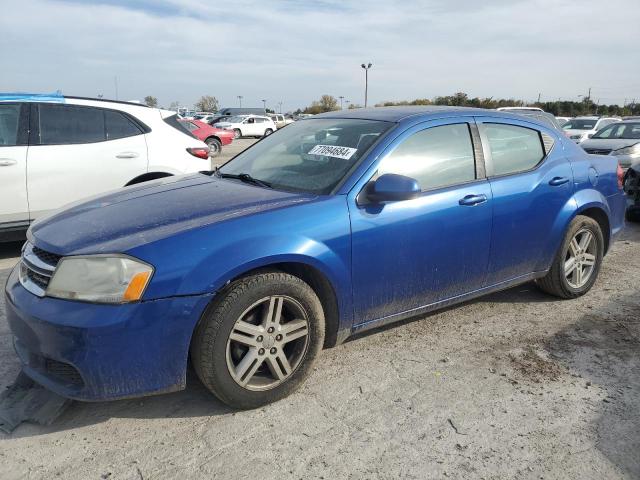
(294, 51)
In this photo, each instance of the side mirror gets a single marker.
(393, 188)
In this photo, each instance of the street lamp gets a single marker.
(341, 97)
(366, 81)
(264, 104)
(280, 105)
(240, 100)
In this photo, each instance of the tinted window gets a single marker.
(64, 124)
(579, 124)
(513, 149)
(119, 126)
(435, 157)
(175, 123)
(189, 126)
(9, 120)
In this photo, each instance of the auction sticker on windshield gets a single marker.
(333, 151)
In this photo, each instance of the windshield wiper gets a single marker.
(243, 177)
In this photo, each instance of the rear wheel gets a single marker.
(257, 342)
(268, 131)
(215, 147)
(237, 133)
(577, 264)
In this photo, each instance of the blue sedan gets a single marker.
(337, 224)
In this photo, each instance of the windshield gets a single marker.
(576, 124)
(232, 119)
(308, 156)
(622, 131)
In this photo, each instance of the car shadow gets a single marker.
(603, 347)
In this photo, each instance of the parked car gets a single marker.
(332, 226)
(280, 120)
(621, 139)
(563, 120)
(544, 117)
(632, 189)
(215, 138)
(248, 126)
(56, 152)
(231, 112)
(209, 117)
(579, 129)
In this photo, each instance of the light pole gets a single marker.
(240, 100)
(341, 97)
(280, 106)
(366, 81)
(264, 104)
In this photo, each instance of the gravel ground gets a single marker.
(517, 385)
(232, 150)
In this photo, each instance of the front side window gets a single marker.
(308, 156)
(436, 157)
(513, 149)
(67, 124)
(9, 121)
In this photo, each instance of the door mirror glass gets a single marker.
(391, 187)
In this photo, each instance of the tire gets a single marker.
(237, 133)
(215, 147)
(632, 214)
(268, 131)
(241, 312)
(572, 285)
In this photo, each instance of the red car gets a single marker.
(215, 138)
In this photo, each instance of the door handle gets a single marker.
(127, 155)
(6, 162)
(471, 200)
(557, 181)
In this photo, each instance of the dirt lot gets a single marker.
(517, 385)
(232, 150)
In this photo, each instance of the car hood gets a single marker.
(609, 143)
(126, 218)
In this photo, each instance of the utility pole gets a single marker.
(539, 97)
(341, 97)
(240, 100)
(280, 106)
(115, 81)
(366, 81)
(264, 104)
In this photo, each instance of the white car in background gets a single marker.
(64, 149)
(248, 125)
(563, 120)
(580, 129)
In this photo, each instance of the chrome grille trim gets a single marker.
(35, 272)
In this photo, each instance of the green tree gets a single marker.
(207, 103)
(151, 101)
(327, 103)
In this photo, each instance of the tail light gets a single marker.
(200, 152)
(620, 173)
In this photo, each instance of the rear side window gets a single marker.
(436, 157)
(513, 149)
(175, 123)
(119, 126)
(9, 122)
(66, 124)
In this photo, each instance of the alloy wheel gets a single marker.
(267, 343)
(580, 259)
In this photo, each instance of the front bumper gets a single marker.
(96, 352)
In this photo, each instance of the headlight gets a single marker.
(630, 150)
(100, 279)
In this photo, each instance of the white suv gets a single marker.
(248, 125)
(580, 129)
(59, 150)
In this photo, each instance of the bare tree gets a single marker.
(207, 103)
(151, 101)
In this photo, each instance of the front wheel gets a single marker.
(257, 342)
(577, 264)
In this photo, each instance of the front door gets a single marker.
(413, 253)
(14, 207)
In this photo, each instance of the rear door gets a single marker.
(14, 207)
(80, 151)
(532, 183)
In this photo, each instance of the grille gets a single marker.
(598, 151)
(41, 281)
(47, 257)
(62, 371)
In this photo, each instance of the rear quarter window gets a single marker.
(173, 122)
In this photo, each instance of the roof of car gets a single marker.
(396, 114)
